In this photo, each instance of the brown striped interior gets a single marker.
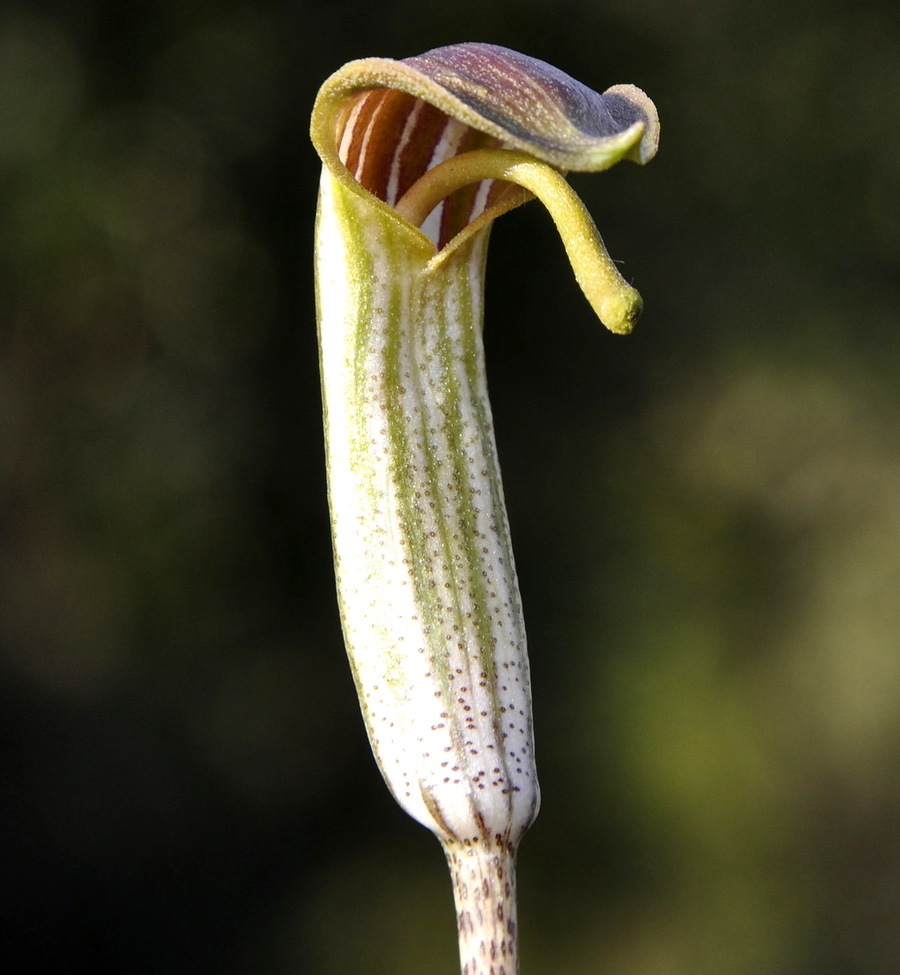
(389, 139)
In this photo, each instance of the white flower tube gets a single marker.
(419, 157)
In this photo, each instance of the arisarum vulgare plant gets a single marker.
(420, 156)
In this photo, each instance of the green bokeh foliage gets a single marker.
(706, 514)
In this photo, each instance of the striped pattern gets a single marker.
(387, 166)
(427, 585)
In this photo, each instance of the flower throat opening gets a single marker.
(390, 139)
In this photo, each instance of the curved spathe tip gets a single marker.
(544, 110)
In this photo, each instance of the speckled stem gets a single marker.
(484, 888)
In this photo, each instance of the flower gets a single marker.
(420, 156)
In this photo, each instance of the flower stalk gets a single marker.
(420, 157)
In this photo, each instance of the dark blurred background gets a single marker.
(706, 514)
